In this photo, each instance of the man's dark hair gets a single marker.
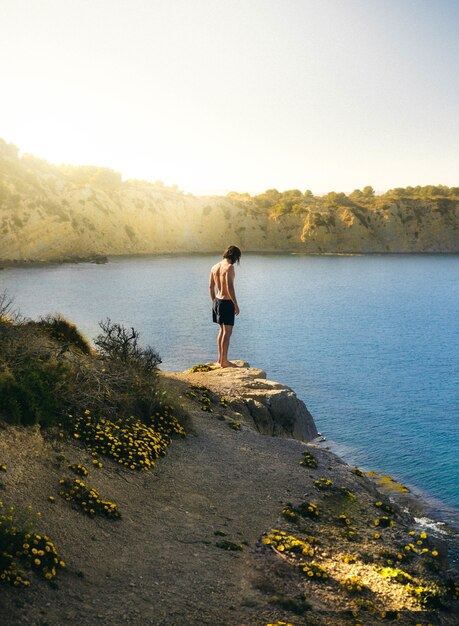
(233, 254)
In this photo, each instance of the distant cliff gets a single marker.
(50, 212)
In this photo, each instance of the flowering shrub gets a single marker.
(22, 548)
(384, 506)
(429, 595)
(203, 394)
(349, 558)
(409, 549)
(394, 574)
(358, 472)
(309, 460)
(87, 499)
(314, 571)
(282, 542)
(323, 484)
(235, 425)
(289, 513)
(348, 532)
(353, 584)
(346, 492)
(129, 442)
(384, 522)
(78, 469)
(308, 509)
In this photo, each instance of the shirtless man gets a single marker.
(224, 303)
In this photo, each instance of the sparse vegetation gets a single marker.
(87, 499)
(22, 550)
(200, 367)
(309, 460)
(48, 370)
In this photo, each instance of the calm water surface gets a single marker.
(370, 344)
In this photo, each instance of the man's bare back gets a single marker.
(223, 275)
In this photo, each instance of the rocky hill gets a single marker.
(52, 213)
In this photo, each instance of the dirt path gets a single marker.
(159, 564)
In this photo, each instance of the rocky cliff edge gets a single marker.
(267, 406)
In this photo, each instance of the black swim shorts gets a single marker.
(223, 312)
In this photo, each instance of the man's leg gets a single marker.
(227, 332)
(220, 344)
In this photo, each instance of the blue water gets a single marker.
(370, 344)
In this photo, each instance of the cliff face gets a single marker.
(264, 405)
(50, 213)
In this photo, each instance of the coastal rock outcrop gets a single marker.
(268, 406)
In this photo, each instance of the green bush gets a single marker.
(48, 370)
(29, 396)
(61, 329)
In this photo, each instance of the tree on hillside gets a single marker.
(368, 192)
(336, 199)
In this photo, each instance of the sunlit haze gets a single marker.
(243, 95)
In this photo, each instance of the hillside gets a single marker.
(245, 522)
(52, 213)
(195, 543)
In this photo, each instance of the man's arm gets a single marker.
(230, 284)
(212, 286)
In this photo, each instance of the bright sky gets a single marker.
(242, 95)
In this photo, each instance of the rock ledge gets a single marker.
(269, 407)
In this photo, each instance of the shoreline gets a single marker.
(429, 512)
(102, 259)
(97, 259)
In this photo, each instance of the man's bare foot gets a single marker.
(227, 364)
